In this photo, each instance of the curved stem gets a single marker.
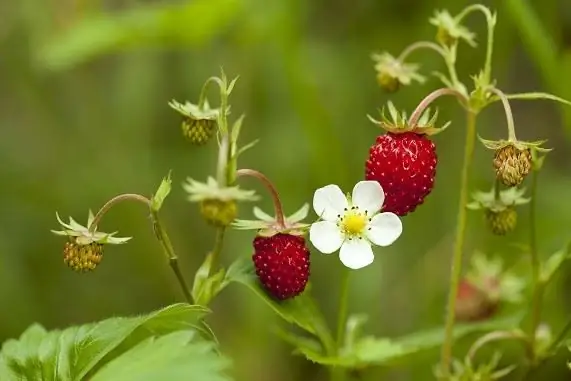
(280, 219)
(491, 22)
(115, 200)
(450, 60)
(202, 98)
(494, 336)
(421, 45)
(159, 230)
(423, 105)
(339, 372)
(508, 111)
(537, 298)
(456, 267)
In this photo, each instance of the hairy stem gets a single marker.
(537, 298)
(159, 230)
(423, 105)
(338, 373)
(271, 188)
(456, 267)
(508, 112)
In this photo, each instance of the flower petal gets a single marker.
(329, 201)
(369, 196)
(356, 253)
(384, 229)
(325, 236)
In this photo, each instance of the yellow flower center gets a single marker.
(353, 222)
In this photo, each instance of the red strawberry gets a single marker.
(282, 264)
(404, 160)
(405, 166)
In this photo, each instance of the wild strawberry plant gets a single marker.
(176, 342)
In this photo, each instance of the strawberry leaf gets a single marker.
(77, 353)
(301, 311)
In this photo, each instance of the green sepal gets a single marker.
(397, 122)
(508, 197)
(520, 145)
(161, 193)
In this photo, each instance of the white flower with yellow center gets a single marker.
(352, 224)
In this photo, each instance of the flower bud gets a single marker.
(472, 303)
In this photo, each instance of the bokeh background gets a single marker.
(84, 86)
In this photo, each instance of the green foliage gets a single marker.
(206, 287)
(363, 351)
(161, 193)
(301, 311)
(108, 349)
(188, 23)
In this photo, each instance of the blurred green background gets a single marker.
(84, 86)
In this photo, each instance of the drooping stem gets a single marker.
(456, 266)
(495, 336)
(421, 45)
(537, 297)
(491, 23)
(271, 188)
(508, 111)
(423, 105)
(115, 200)
(202, 98)
(159, 230)
(338, 373)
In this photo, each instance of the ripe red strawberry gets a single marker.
(405, 166)
(404, 161)
(282, 264)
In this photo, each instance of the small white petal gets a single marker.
(325, 236)
(356, 253)
(384, 229)
(369, 196)
(329, 201)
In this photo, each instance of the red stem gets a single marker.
(274, 193)
(417, 113)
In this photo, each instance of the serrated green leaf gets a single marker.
(76, 352)
(301, 310)
(186, 24)
(370, 350)
(161, 193)
(175, 356)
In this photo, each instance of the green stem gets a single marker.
(508, 112)
(450, 60)
(421, 45)
(537, 298)
(202, 98)
(338, 373)
(456, 268)
(218, 244)
(561, 336)
(491, 22)
(497, 189)
(159, 230)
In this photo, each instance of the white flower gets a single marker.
(353, 223)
